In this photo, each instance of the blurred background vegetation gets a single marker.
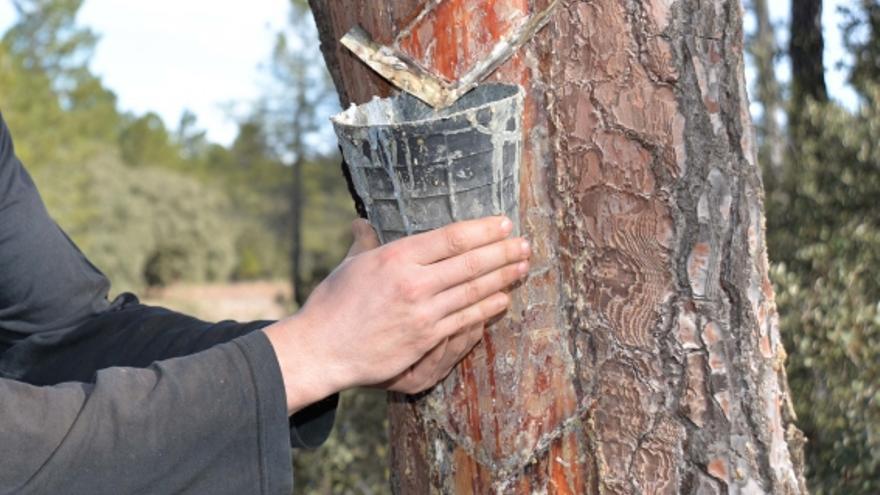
(155, 205)
(821, 164)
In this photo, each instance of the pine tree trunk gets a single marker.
(642, 355)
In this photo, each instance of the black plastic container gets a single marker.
(418, 169)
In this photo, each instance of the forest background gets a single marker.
(157, 204)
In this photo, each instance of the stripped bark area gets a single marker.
(642, 355)
(399, 69)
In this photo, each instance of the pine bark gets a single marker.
(643, 353)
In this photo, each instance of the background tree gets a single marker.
(862, 40)
(823, 229)
(296, 109)
(762, 47)
(81, 148)
(806, 48)
(642, 355)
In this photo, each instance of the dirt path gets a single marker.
(242, 301)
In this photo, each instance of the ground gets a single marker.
(241, 301)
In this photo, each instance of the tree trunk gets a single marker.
(762, 46)
(642, 355)
(296, 206)
(806, 48)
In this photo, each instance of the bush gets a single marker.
(142, 226)
(824, 235)
(355, 458)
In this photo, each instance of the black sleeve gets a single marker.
(56, 324)
(213, 422)
(45, 281)
(134, 335)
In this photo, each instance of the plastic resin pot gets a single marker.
(417, 169)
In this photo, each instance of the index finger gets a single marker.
(458, 238)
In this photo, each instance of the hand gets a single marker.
(384, 310)
(438, 363)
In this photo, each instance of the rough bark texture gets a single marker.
(643, 354)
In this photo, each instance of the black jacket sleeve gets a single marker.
(56, 325)
(45, 281)
(214, 422)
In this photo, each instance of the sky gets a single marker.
(206, 56)
(171, 55)
(835, 77)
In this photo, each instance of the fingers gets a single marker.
(483, 310)
(421, 375)
(475, 291)
(365, 237)
(457, 238)
(438, 363)
(473, 264)
(461, 344)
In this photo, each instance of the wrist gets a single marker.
(309, 375)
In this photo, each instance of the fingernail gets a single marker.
(523, 268)
(506, 225)
(526, 248)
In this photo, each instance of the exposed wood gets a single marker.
(408, 75)
(643, 354)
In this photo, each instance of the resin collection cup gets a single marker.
(417, 169)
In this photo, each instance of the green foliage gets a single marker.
(145, 141)
(824, 235)
(355, 458)
(152, 205)
(823, 228)
(144, 226)
(324, 242)
(28, 100)
(862, 41)
(824, 239)
(48, 39)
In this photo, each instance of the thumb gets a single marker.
(365, 237)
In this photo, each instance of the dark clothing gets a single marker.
(118, 397)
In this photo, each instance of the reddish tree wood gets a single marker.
(642, 355)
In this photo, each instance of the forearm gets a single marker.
(132, 336)
(308, 375)
(213, 422)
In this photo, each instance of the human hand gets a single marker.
(436, 364)
(384, 310)
(439, 361)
